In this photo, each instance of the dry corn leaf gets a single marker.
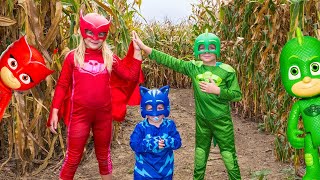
(6, 21)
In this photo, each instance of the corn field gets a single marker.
(252, 34)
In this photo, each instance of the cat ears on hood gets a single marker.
(164, 90)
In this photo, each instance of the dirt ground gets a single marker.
(255, 150)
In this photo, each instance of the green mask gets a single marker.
(206, 39)
(300, 66)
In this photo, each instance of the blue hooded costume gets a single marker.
(152, 162)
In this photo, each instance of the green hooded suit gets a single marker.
(213, 113)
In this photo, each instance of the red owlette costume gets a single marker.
(88, 96)
(21, 68)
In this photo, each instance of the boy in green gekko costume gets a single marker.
(215, 85)
(300, 73)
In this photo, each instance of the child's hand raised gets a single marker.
(137, 50)
(211, 87)
(137, 43)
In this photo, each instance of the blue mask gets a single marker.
(154, 97)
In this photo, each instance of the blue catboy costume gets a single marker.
(152, 162)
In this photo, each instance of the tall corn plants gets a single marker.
(52, 27)
(174, 39)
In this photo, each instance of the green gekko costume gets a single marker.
(213, 113)
(300, 74)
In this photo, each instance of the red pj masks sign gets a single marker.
(21, 68)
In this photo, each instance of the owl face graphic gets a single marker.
(22, 66)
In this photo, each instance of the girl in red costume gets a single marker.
(86, 71)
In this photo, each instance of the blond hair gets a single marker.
(107, 54)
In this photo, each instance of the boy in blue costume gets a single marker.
(154, 139)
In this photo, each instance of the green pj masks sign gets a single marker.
(300, 74)
(300, 66)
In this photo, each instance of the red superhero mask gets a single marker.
(22, 66)
(97, 25)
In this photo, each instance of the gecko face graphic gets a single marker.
(206, 77)
(300, 66)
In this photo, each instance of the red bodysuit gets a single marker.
(90, 106)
